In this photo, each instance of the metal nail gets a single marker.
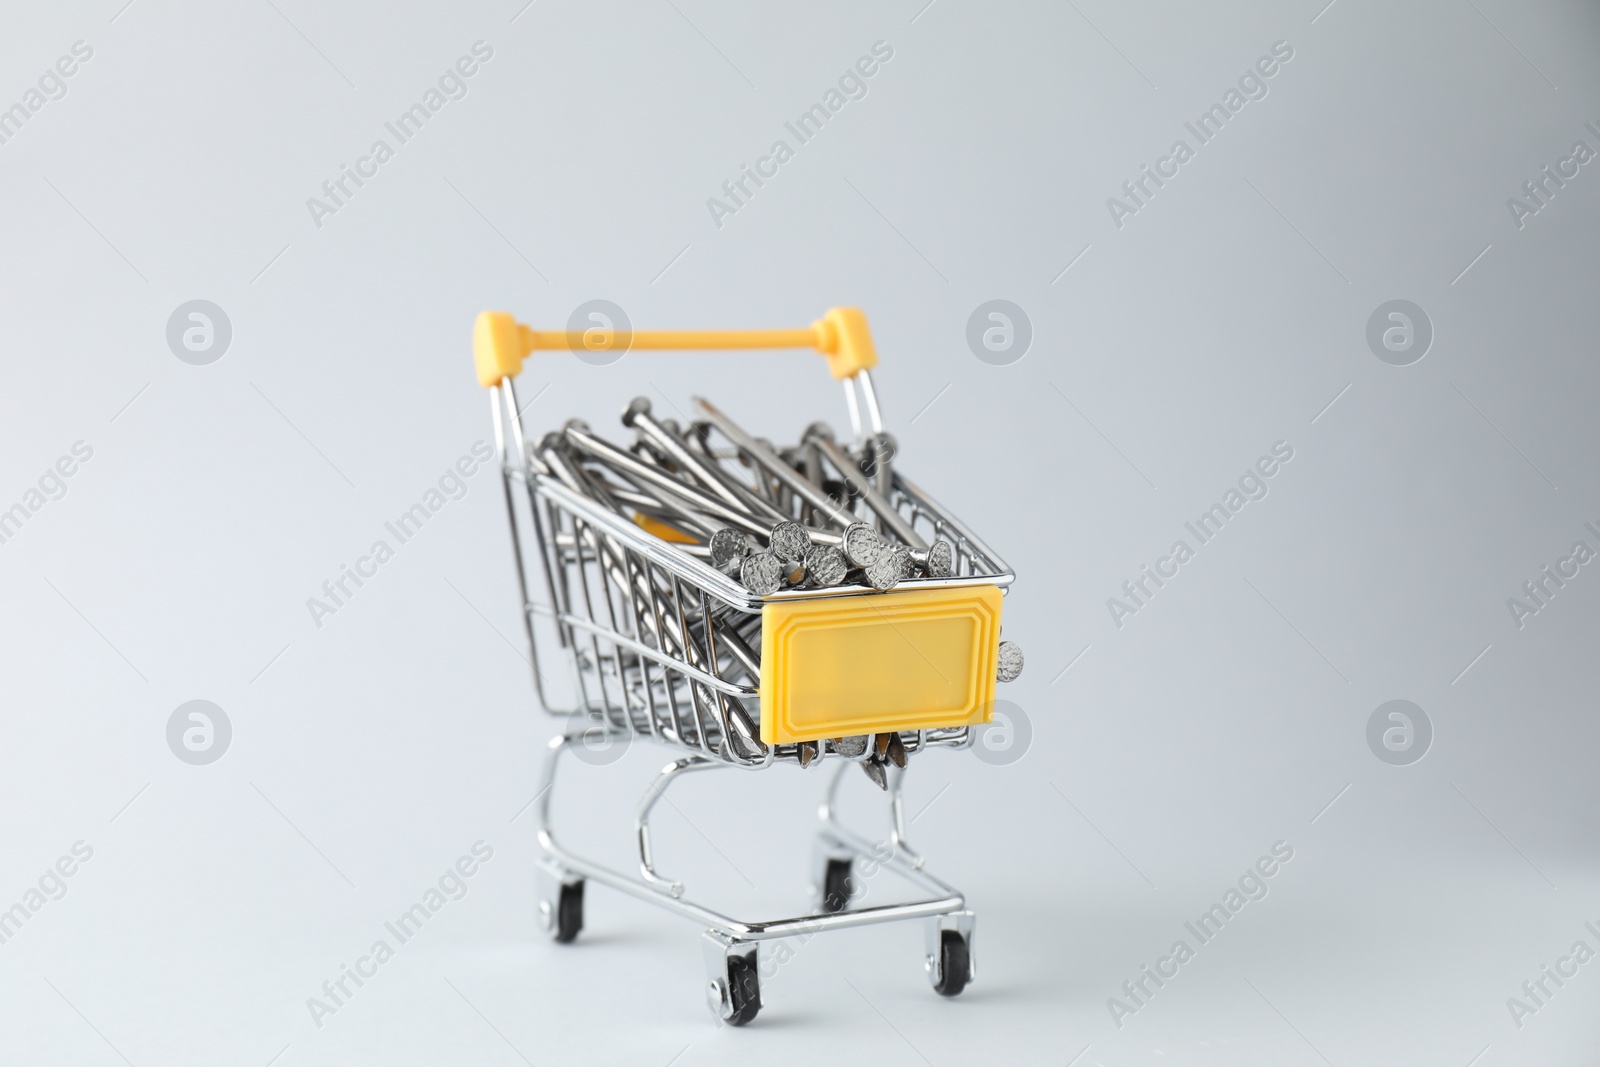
(850, 746)
(848, 469)
(888, 567)
(636, 416)
(1009, 664)
(874, 771)
(704, 470)
(882, 448)
(936, 560)
(861, 544)
(763, 455)
(826, 565)
(657, 480)
(728, 547)
(762, 573)
(941, 561)
(678, 494)
(789, 541)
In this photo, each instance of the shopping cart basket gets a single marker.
(663, 642)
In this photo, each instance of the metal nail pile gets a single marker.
(771, 518)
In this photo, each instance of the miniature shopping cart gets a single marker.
(769, 665)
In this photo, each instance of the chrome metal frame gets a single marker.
(645, 627)
(564, 864)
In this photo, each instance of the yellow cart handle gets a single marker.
(500, 342)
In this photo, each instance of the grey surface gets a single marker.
(1166, 356)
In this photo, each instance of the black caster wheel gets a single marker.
(569, 913)
(836, 886)
(744, 990)
(954, 964)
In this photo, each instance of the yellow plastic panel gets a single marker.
(909, 660)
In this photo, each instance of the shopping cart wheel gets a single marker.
(569, 914)
(560, 901)
(734, 992)
(949, 961)
(836, 885)
(745, 986)
(561, 905)
(953, 964)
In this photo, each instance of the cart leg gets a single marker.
(897, 818)
(832, 859)
(949, 961)
(833, 866)
(560, 890)
(837, 848)
(560, 902)
(641, 824)
(733, 990)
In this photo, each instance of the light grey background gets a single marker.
(1230, 713)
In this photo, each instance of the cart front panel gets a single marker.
(911, 660)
